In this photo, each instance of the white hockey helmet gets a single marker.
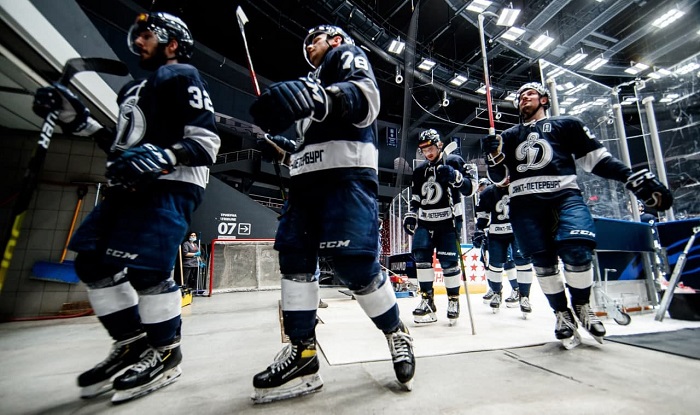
(331, 31)
(537, 87)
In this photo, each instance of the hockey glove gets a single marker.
(492, 146)
(285, 102)
(139, 166)
(478, 239)
(410, 222)
(73, 115)
(275, 148)
(448, 175)
(649, 190)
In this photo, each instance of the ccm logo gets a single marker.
(121, 254)
(334, 244)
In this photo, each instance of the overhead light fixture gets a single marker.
(659, 73)
(636, 68)
(575, 59)
(426, 65)
(482, 89)
(397, 46)
(513, 33)
(577, 88)
(458, 80)
(595, 64)
(508, 16)
(511, 96)
(542, 42)
(687, 68)
(556, 72)
(479, 5)
(669, 98)
(668, 18)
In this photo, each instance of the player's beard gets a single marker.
(156, 61)
(527, 113)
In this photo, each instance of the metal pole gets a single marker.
(656, 146)
(624, 151)
(553, 98)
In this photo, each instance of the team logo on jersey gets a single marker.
(131, 124)
(503, 208)
(431, 192)
(589, 133)
(536, 152)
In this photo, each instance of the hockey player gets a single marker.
(549, 216)
(157, 170)
(331, 208)
(435, 222)
(493, 216)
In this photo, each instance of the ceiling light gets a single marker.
(513, 33)
(637, 68)
(482, 89)
(595, 64)
(556, 72)
(511, 96)
(507, 17)
(576, 89)
(479, 5)
(458, 80)
(542, 42)
(668, 18)
(689, 67)
(397, 46)
(575, 59)
(426, 65)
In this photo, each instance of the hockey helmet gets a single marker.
(164, 26)
(537, 87)
(331, 31)
(428, 138)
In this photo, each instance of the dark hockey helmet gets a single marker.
(331, 31)
(537, 87)
(428, 138)
(164, 26)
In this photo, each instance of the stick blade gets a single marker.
(450, 148)
(101, 65)
(242, 18)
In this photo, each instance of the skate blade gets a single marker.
(525, 315)
(91, 391)
(495, 310)
(572, 341)
(296, 387)
(452, 321)
(407, 385)
(599, 339)
(428, 318)
(514, 305)
(166, 379)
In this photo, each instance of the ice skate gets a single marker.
(565, 329)
(124, 353)
(425, 312)
(488, 296)
(157, 368)
(401, 348)
(495, 303)
(293, 373)
(513, 300)
(452, 309)
(590, 322)
(525, 307)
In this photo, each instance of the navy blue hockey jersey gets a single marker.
(541, 157)
(493, 211)
(343, 146)
(429, 198)
(172, 105)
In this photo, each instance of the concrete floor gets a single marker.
(227, 338)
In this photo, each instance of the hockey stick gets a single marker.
(450, 148)
(242, 20)
(487, 82)
(30, 179)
